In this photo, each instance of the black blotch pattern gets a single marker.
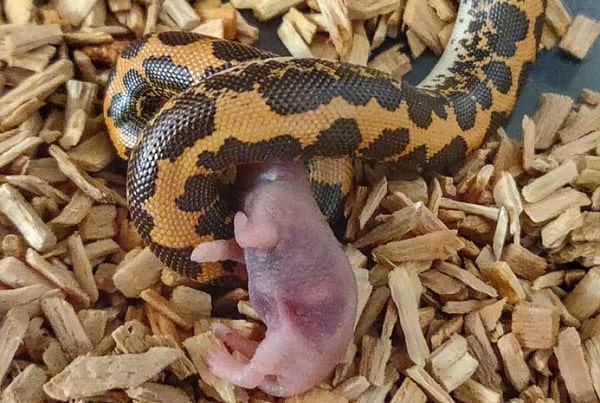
(421, 105)
(237, 80)
(176, 129)
(539, 25)
(112, 74)
(389, 143)
(410, 165)
(450, 158)
(238, 52)
(166, 75)
(134, 47)
(329, 199)
(523, 75)
(465, 107)
(341, 138)
(143, 221)
(122, 106)
(233, 152)
(199, 191)
(499, 74)
(178, 38)
(497, 119)
(301, 88)
(213, 221)
(150, 105)
(511, 24)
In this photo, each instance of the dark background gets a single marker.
(554, 71)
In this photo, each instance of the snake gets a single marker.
(188, 111)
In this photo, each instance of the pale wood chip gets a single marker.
(12, 331)
(445, 9)
(392, 61)
(26, 146)
(466, 277)
(481, 348)
(592, 357)
(214, 28)
(445, 331)
(19, 39)
(191, 302)
(27, 386)
(589, 231)
(182, 13)
(485, 211)
(435, 245)
(99, 223)
(523, 262)
(555, 204)
(535, 327)
(372, 202)
(35, 88)
(353, 387)
(92, 187)
(433, 389)
(361, 48)
(82, 268)
(197, 347)
(379, 393)
(573, 368)
(451, 364)
(550, 115)
(292, 39)
(22, 214)
(74, 212)
(89, 376)
(580, 36)
(373, 307)
(586, 121)
(584, 300)
(21, 296)
(364, 10)
(505, 282)
(515, 367)
(409, 392)
(582, 145)
(165, 307)
(60, 277)
(407, 312)
(338, 24)
(424, 22)
(266, 9)
(558, 17)
(547, 184)
(66, 326)
(37, 186)
(473, 391)
(416, 45)
(245, 32)
(139, 270)
(306, 28)
(555, 232)
(94, 153)
(151, 391)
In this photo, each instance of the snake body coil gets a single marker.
(186, 109)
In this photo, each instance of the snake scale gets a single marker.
(186, 109)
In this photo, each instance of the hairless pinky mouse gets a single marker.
(299, 281)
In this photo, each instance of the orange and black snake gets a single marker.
(186, 109)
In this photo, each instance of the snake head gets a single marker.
(300, 283)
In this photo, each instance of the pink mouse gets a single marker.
(299, 280)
